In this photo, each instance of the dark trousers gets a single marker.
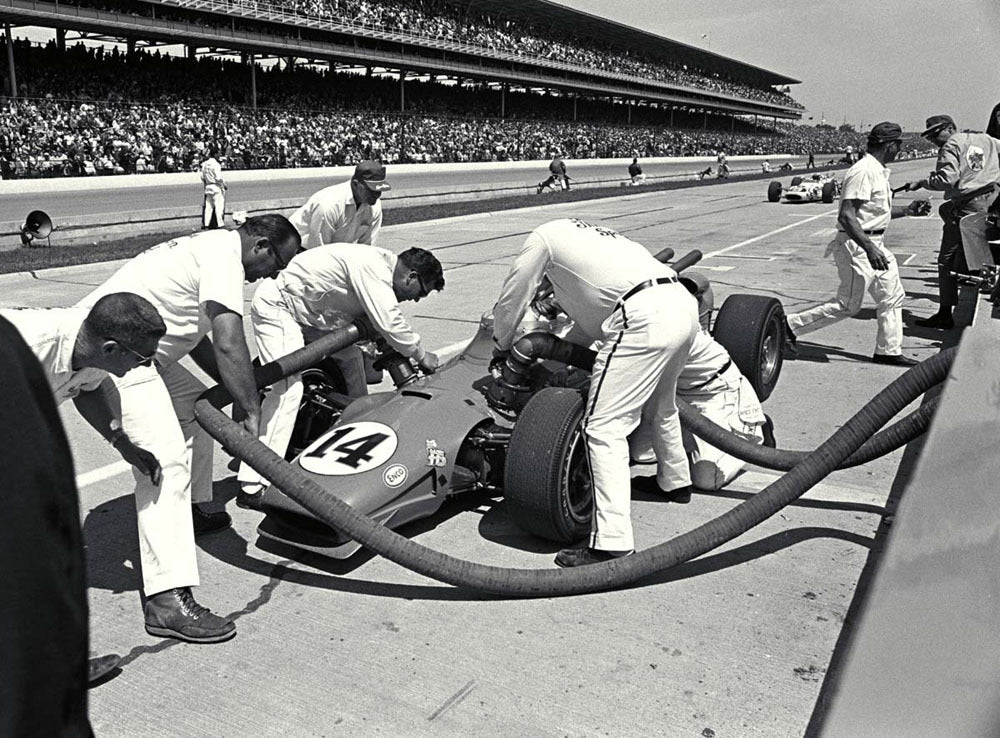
(951, 255)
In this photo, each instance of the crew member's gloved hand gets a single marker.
(496, 364)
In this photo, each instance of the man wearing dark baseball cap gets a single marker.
(967, 171)
(863, 261)
(349, 212)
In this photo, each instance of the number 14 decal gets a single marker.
(350, 449)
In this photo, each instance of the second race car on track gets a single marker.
(397, 456)
(818, 187)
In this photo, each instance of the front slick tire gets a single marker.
(547, 482)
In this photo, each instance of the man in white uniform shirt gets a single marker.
(323, 289)
(644, 321)
(863, 261)
(349, 212)
(78, 349)
(196, 283)
(213, 210)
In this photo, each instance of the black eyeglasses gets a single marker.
(277, 258)
(423, 288)
(144, 360)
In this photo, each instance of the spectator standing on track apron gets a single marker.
(213, 211)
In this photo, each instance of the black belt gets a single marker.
(643, 285)
(725, 367)
(875, 232)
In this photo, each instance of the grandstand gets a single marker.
(282, 83)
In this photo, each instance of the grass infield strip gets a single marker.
(43, 257)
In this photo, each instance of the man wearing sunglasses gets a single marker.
(77, 349)
(323, 289)
(196, 283)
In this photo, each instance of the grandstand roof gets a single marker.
(626, 36)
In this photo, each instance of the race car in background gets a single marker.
(819, 187)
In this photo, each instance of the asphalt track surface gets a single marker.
(68, 204)
(736, 643)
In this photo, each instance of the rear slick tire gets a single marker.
(752, 330)
(774, 192)
(547, 483)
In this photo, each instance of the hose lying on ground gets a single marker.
(596, 577)
(884, 442)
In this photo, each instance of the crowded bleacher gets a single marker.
(87, 111)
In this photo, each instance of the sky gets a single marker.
(862, 61)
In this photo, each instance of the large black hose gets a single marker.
(884, 442)
(596, 577)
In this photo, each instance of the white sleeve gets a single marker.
(379, 301)
(376, 226)
(326, 220)
(525, 275)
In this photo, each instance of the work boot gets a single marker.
(175, 614)
(101, 666)
(938, 320)
(894, 360)
(206, 522)
(791, 342)
(569, 557)
(649, 485)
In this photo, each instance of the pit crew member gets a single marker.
(967, 171)
(645, 322)
(349, 212)
(323, 289)
(712, 384)
(213, 209)
(863, 261)
(77, 350)
(196, 283)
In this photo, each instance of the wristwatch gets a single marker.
(117, 432)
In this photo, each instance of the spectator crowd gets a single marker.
(146, 112)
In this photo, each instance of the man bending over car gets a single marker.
(326, 288)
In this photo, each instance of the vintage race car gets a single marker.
(397, 456)
(819, 187)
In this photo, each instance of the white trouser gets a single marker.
(645, 344)
(639, 178)
(276, 333)
(215, 202)
(977, 249)
(158, 415)
(732, 404)
(857, 276)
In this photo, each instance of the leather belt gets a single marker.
(644, 285)
(723, 370)
(873, 232)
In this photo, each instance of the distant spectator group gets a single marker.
(144, 112)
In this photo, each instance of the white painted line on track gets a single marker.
(101, 473)
(823, 232)
(909, 258)
(702, 267)
(767, 235)
(748, 256)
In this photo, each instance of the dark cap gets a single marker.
(885, 132)
(372, 173)
(937, 122)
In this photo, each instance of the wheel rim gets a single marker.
(577, 488)
(770, 350)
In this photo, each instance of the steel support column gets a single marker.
(10, 60)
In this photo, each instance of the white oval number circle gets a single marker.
(352, 448)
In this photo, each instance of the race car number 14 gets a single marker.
(350, 449)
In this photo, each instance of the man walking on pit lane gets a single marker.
(967, 171)
(349, 212)
(645, 322)
(863, 261)
(213, 209)
(196, 283)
